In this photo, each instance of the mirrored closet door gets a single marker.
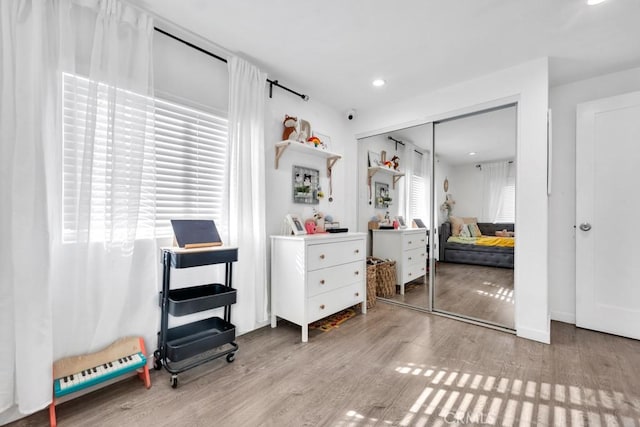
(398, 194)
(474, 196)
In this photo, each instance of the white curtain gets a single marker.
(104, 273)
(72, 287)
(495, 176)
(246, 196)
(28, 82)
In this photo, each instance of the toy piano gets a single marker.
(78, 373)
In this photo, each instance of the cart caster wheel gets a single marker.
(231, 357)
(174, 381)
(157, 364)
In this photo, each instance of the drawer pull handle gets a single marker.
(322, 282)
(322, 307)
(357, 294)
(409, 258)
(421, 254)
(410, 242)
(409, 274)
(322, 256)
(357, 251)
(357, 272)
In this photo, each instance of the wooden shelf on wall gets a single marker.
(375, 169)
(300, 147)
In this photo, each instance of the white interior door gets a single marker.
(607, 215)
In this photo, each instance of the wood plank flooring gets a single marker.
(476, 291)
(390, 367)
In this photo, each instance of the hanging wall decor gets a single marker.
(305, 185)
(382, 196)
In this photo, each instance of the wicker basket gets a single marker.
(372, 283)
(386, 273)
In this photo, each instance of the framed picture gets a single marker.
(383, 198)
(418, 222)
(296, 224)
(305, 183)
(400, 220)
(325, 139)
(374, 159)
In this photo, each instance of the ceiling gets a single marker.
(331, 50)
(491, 135)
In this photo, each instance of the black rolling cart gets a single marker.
(187, 346)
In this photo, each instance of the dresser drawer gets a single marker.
(414, 240)
(413, 271)
(330, 254)
(329, 303)
(412, 256)
(328, 279)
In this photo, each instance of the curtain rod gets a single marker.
(397, 141)
(272, 83)
(479, 165)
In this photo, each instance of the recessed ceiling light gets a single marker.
(594, 2)
(378, 82)
(473, 153)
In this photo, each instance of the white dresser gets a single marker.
(408, 247)
(314, 276)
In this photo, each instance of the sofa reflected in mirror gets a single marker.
(493, 248)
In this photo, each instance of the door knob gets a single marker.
(585, 226)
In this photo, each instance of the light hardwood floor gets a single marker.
(484, 293)
(390, 367)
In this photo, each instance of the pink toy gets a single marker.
(310, 226)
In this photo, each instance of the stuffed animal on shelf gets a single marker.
(396, 162)
(290, 128)
(304, 130)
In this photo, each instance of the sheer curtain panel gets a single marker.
(105, 276)
(28, 111)
(495, 180)
(60, 298)
(247, 191)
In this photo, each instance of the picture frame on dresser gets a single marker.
(296, 224)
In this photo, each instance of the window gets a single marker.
(182, 150)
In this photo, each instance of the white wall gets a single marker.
(562, 260)
(187, 74)
(443, 171)
(528, 84)
(377, 144)
(467, 189)
(326, 121)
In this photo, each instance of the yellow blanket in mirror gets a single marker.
(507, 242)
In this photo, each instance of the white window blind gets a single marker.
(418, 197)
(507, 211)
(191, 148)
(183, 170)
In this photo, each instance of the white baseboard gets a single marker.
(536, 334)
(564, 316)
